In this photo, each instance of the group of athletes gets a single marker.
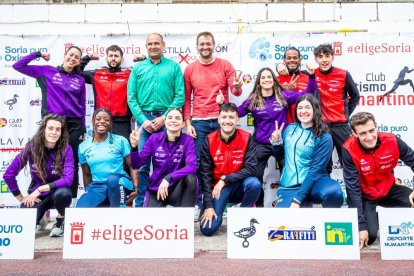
(299, 117)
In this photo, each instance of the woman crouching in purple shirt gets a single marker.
(173, 181)
(268, 102)
(51, 168)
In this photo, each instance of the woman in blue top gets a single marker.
(63, 93)
(308, 148)
(268, 102)
(102, 157)
(173, 181)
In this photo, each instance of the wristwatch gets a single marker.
(223, 178)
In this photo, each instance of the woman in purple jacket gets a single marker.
(63, 93)
(268, 102)
(51, 167)
(173, 181)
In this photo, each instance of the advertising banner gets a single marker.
(101, 233)
(264, 233)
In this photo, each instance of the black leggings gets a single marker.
(263, 153)
(398, 196)
(76, 132)
(58, 199)
(183, 194)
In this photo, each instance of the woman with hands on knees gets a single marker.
(102, 159)
(307, 147)
(51, 168)
(268, 102)
(63, 93)
(173, 181)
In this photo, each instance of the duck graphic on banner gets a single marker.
(247, 232)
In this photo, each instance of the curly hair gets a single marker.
(36, 146)
(256, 97)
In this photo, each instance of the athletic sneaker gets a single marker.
(58, 227)
(42, 224)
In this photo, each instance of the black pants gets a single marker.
(181, 195)
(340, 133)
(76, 132)
(263, 153)
(398, 196)
(122, 128)
(59, 200)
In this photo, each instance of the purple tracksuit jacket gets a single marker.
(171, 161)
(52, 178)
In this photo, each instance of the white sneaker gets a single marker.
(196, 213)
(42, 224)
(58, 228)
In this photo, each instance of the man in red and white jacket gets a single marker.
(228, 170)
(291, 77)
(369, 158)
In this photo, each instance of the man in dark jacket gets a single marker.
(227, 168)
(369, 158)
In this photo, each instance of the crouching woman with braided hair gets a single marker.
(51, 168)
(101, 158)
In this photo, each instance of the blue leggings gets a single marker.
(325, 191)
(103, 194)
(247, 192)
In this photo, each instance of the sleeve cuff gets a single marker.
(38, 54)
(134, 149)
(362, 226)
(16, 193)
(168, 178)
(52, 185)
(312, 76)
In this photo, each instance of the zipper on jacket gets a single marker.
(375, 172)
(294, 157)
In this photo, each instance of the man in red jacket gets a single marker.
(110, 87)
(369, 158)
(291, 77)
(337, 94)
(228, 170)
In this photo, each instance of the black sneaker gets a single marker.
(58, 228)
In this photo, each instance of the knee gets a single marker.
(210, 231)
(191, 181)
(63, 195)
(113, 180)
(333, 196)
(372, 236)
(252, 185)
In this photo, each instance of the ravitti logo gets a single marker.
(338, 233)
(260, 49)
(292, 233)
